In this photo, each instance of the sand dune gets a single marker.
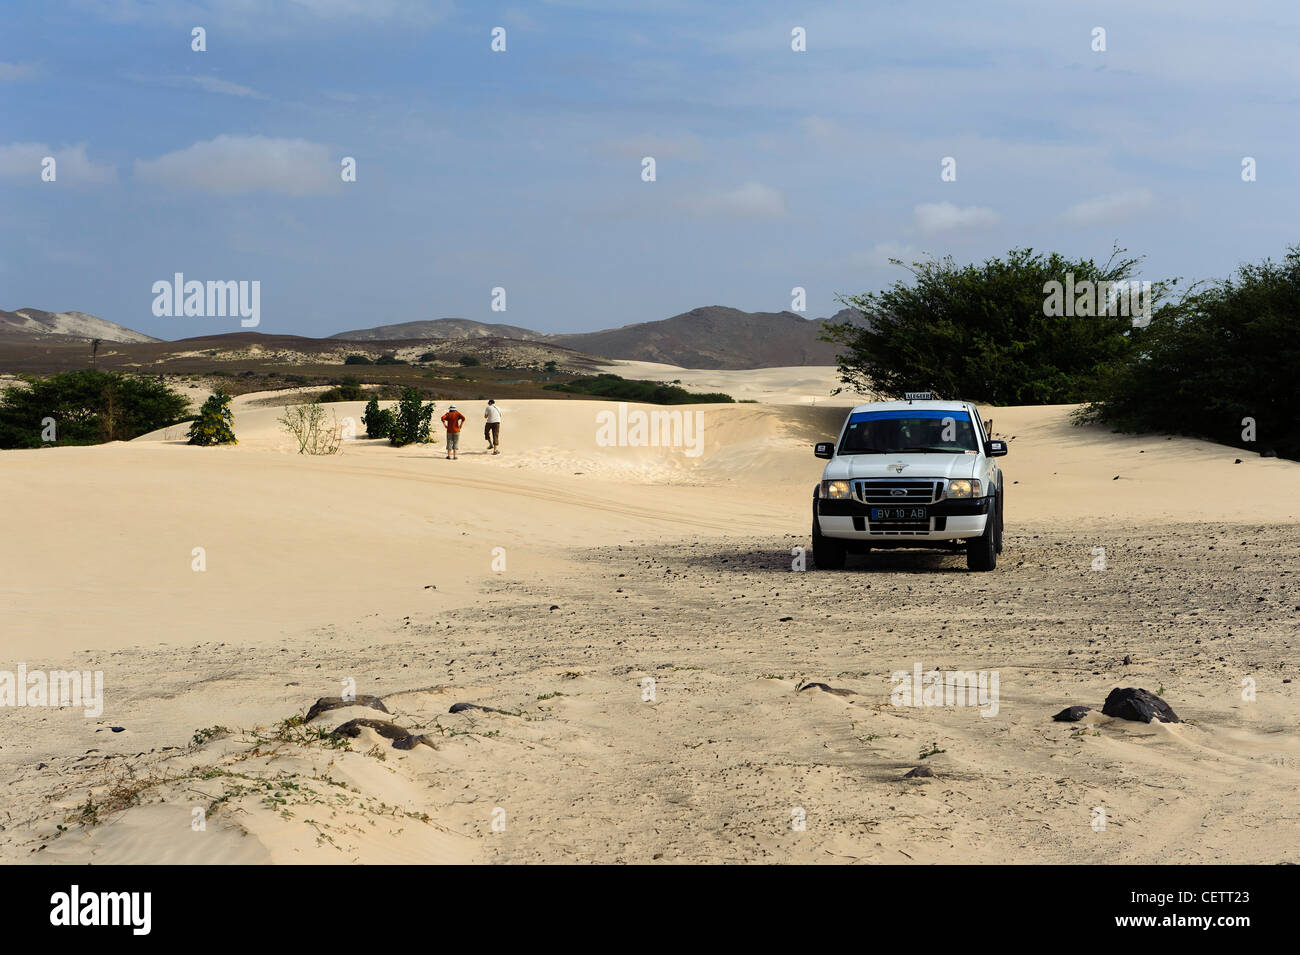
(377, 565)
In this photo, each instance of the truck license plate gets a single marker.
(899, 514)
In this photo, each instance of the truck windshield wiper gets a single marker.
(935, 450)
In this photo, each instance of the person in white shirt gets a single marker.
(492, 426)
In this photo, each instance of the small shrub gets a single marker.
(215, 423)
(411, 420)
(378, 421)
(389, 360)
(306, 422)
(357, 360)
(469, 361)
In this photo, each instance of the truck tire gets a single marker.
(982, 551)
(998, 542)
(828, 553)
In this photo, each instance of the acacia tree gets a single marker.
(1225, 366)
(982, 332)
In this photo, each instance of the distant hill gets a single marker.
(32, 324)
(711, 337)
(714, 337)
(447, 328)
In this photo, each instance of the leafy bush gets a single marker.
(1228, 352)
(378, 421)
(389, 360)
(649, 392)
(469, 361)
(349, 389)
(87, 407)
(411, 420)
(357, 360)
(214, 424)
(306, 422)
(979, 332)
(428, 356)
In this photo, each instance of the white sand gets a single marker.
(335, 559)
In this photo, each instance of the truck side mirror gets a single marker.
(826, 449)
(996, 449)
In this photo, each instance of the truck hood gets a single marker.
(947, 466)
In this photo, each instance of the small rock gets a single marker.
(335, 702)
(555, 606)
(919, 772)
(1139, 705)
(825, 689)
(1072, 714)
(462, 707)
(1238, 461)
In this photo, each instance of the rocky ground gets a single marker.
(652, 710)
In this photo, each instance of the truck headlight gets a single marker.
(963, 489)
(836, 490)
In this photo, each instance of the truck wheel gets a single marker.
(998, 541)
(828, 553)
(982, 552)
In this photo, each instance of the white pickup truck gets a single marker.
(911, 473)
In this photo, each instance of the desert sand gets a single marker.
(554, 581)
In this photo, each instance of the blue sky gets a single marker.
(522, 169)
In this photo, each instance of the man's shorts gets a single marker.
(453, 440)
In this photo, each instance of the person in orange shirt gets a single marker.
(452, 421)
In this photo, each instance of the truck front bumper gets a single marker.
(949, 520)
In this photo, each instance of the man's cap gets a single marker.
(451, 407)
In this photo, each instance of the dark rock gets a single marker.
(919, 772)
(825, 689)
(1072, 714)
(1139, 705)
(1238, 461)
(118, 729)
(402, 737)
(335, 702)
(1127, 659)
(555, 606)
(462, 707)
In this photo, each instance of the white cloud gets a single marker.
(878, 256)
(1112, 208)
(753, 200)
(932, 217)
(212, 84)
(71, 164)
(16, 71)
(660, 147)
(233, 164)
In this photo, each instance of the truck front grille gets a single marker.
(884, 491)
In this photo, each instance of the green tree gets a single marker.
(1231, 352)
(378, 421)
(85, 407)
(411, 419)
(981, 332)
(215, 423)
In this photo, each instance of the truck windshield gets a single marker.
(919, 431)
